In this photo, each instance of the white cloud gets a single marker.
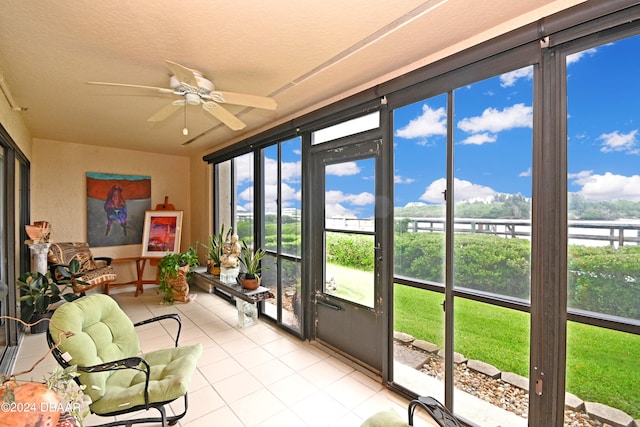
(343, 169)
(397, 179)
(464, 190)
(479, 139)
(578, 177)
(431, 122)
(608, 186)
(616, 141)
(336, 196)
(246, 194)
(291, 171)
(336, 203)
(244, 168)
(288, 195)
(248, 207)
(337, 210)
(510, 78)
(525, 173)
(575, 57)
(494, 120)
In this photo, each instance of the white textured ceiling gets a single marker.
(304, 53)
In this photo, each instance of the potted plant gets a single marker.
(174, 270)
(215, 250)
(39, 294)
(251, 261)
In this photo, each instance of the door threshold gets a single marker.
(358, 365)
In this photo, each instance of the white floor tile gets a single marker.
(257, 376)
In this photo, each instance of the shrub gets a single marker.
(605, 280)
(601, 279)
(350, 250)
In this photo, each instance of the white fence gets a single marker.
(589, 233)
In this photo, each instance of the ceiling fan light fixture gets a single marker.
(192, 98)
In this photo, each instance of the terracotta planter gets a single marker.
(179, 285)
(213, 269)
(250, 284)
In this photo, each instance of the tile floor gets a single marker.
(256, 376)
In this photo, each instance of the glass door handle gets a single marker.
(328, 305)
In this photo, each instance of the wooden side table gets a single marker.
(141, 262)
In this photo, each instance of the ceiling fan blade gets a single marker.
(244, 99)
(223, 115)
(157, 89)
(166, 111)
(183, 73)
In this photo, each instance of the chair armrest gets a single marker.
(66, 279)
(174, 316)
(106, 259)
(435, 409)
(128, 363)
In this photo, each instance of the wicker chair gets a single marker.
(96, 271)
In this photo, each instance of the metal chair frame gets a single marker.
(437, 410)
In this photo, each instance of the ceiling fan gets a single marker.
(194, 89)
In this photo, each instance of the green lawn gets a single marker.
(353, 284)
(602, 364)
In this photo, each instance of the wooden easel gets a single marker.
(141, 261)
(166, 206)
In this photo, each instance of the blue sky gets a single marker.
(493, 140)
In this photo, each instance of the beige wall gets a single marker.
(201, 203)
(58, 190)
(13, 122)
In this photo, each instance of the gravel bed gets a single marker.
(498, 392)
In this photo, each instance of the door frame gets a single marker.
(313, 273)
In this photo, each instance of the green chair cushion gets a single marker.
(102, 332)
(171, 374)
(388, 418)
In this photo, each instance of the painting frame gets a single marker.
(116, 204)
(162, 233)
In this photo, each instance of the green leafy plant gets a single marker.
(168, 268)
(215, 247)
(251, 260)
(62, 381)
(38, 291)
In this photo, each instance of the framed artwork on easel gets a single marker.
(162, 233)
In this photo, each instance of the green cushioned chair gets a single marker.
(118, 377)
